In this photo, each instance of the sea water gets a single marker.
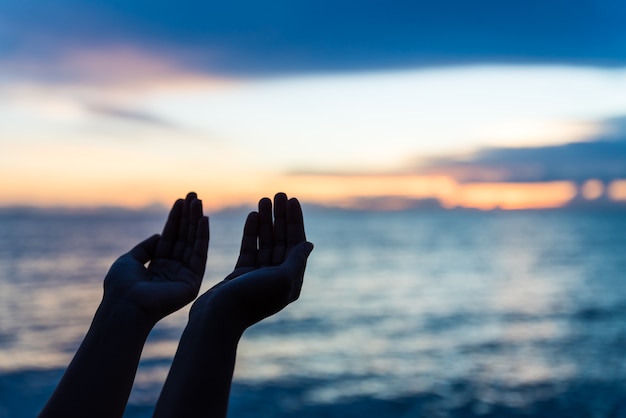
(402, 314)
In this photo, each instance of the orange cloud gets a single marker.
(513, 195)
(345, 191)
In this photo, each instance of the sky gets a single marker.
(483, 104)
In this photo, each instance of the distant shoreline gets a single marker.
(431, 205)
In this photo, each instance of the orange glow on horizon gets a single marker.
(383, 192)
(514, 196)
(132, 193)
(339, 190)
(346, 190)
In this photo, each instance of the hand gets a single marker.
(177, 262)
(270, 269)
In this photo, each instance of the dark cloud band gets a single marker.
(602, 158)
(251, 38)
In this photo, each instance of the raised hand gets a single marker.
(98, 381)
(177, 262)
(267, 277)
(270, 268)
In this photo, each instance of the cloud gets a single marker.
(602, 158)
(129, 115)
(249, 38)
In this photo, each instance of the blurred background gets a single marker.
(462, 167)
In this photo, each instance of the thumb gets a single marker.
(295, 266)
(308, 247)
(296, 260)
(144, 251)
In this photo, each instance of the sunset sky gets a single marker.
(478, 104)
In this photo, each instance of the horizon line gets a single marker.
(382, 204)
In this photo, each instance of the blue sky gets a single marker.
(212, 95)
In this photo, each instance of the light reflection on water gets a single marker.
(482, 309)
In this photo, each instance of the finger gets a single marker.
(170, 231)
(195, 214)
(266, 233)
(144, 251)
(197, 263)
(248, 252)
(280, 228)
(183, 228)
(295, 223)
(295, 264)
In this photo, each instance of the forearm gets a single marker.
(98, 381)
(198, 384)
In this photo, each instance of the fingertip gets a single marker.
(251, 226)
(280, 201)
(189, 204)
(252, 216)
(265, 210)
(177, 208)
(280, 205)
(196, 208)
(264, 202)
(295, 209)
(293, 202)
(295, 223)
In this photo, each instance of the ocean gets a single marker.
(402, 314)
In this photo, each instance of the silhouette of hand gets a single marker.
(177, 262)
(270, 269)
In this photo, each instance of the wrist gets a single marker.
(215, 319)
(122, 313)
